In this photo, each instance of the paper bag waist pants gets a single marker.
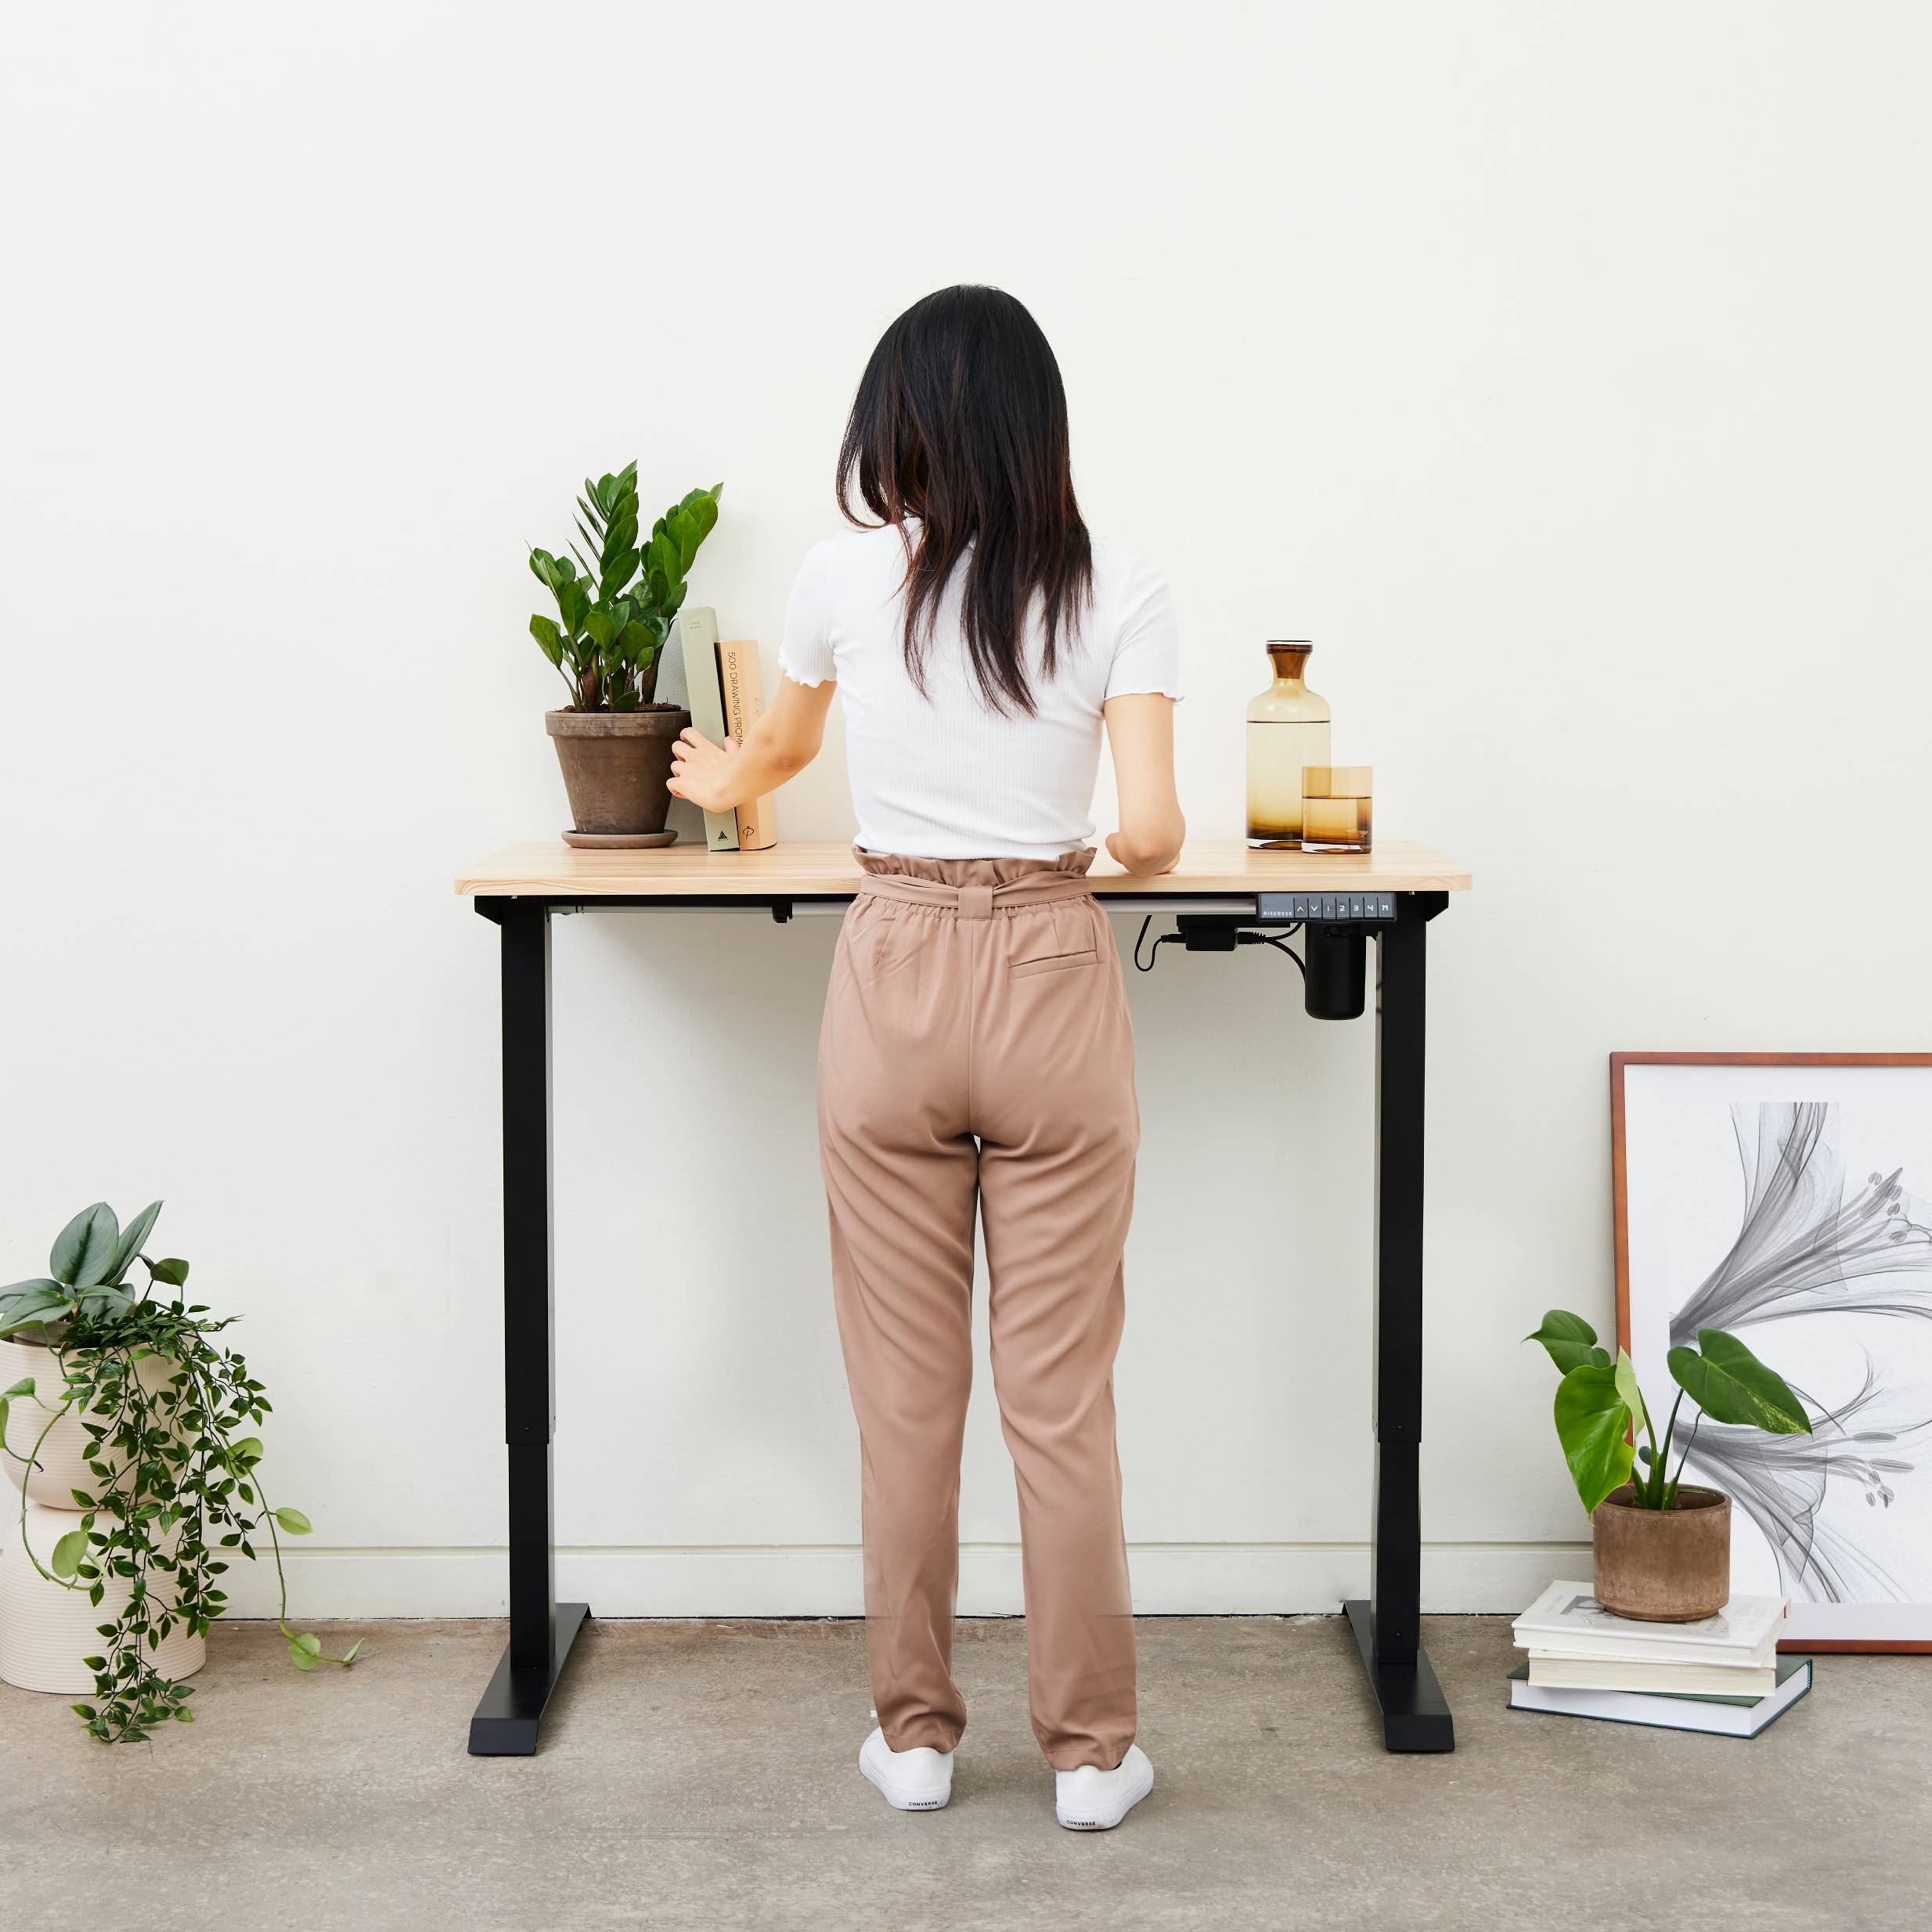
(977, 1053)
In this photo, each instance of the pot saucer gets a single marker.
(618, 841)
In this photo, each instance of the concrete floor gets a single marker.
(701, 1775)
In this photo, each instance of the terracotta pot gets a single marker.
(1662, 1566)
(615, 766)
(61, 1460)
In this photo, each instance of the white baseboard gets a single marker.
(1169, 1579)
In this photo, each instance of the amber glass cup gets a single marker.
(1337, 803)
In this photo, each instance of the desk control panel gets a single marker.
(1297, 908)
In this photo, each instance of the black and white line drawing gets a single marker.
(1830, 1280)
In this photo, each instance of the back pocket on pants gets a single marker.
(1053, 963)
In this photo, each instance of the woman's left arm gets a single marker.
(785, 740)
(1140, 734)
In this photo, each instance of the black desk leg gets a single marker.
(541, 1629)
(1387, 1624)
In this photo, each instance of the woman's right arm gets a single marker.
(1140, 736)
(783, 741)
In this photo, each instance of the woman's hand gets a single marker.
(701, 771)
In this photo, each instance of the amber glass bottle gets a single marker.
(1287, 727)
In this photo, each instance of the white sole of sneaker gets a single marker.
(900, 1798)
(1129, 1796)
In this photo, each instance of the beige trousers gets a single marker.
(977, 1049)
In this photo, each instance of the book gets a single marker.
(1567, 1617)
(1717, 1716)
(1646, 1674)
(704, 698)
(744, 702)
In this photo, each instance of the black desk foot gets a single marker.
(506, 1722)
(1415, 1713)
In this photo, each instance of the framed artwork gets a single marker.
(1787, 1198)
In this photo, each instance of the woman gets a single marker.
(976, 1047)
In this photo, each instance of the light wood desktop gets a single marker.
(810, 868)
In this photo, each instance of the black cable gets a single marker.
(1281, 946)
(1165, 940)
(1280, 943)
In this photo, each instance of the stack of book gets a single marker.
(721, 688)
(1722, 1675)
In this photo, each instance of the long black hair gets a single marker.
(961, 421)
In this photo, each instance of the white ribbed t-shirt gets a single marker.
(942, 775)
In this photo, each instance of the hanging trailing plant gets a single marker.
(168, 1412)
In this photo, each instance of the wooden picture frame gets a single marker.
(1824, 1620)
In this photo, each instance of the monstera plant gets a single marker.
(617, 592)
(1660, 1547)
(130, 1389)
(1598, 1406)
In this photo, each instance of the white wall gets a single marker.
(1562, 370)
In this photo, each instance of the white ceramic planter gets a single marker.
(46, 1629)
(62, 1458)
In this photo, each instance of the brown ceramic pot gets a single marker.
(1662, 1566)
(615, 765)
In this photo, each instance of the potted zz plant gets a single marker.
(615, 599)
(1661, 1548)
(127, 1426)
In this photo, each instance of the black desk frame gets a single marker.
(1387, 1623)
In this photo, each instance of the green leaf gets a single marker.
(112, 1302)
(67, 1553)
(85, 1249)
(173, 1271)
(34, 1304)
(133, 1235)
(293, 1521)
(23, 1386)
(1570, 1340)
(1626, 1373)
(1592, 1422)
(549, 639)
(349, 1655)
(247, 1453)
(617, 573)
(1731, 1385)
(39, 1285)
(303, 1651)
(597, 628)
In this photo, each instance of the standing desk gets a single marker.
(1221, 886)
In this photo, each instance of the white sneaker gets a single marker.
(917, 1780)
(1088, 1799)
